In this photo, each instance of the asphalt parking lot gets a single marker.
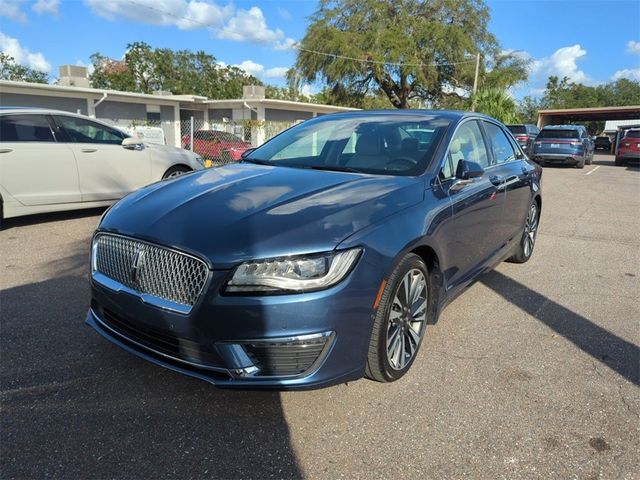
(531, 373)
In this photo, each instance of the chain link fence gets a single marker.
(217, 142)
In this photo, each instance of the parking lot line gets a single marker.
(592, 170)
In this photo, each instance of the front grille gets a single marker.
(150, 269)
(159, 340)
(285, 359)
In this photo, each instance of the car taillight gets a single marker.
(575, 143)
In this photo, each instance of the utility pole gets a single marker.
(475, 82)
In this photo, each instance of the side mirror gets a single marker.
(132, 143)
(467, 170)
(246, 152)
(465, 173)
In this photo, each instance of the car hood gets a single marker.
(243, 211)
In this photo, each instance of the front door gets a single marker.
(106, 169)
(474, 229)
(34, 168)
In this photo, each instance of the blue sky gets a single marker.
(589, 41)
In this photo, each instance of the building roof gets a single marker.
(185, 100)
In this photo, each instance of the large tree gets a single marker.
(145, 69)
(405, 49)
(10, 70)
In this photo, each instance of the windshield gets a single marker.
(375, 143)
(517, 129)
(559, 133)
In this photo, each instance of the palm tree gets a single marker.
(496, 103)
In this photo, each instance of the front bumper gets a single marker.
(293, 341)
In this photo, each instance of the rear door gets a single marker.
(34, 168)
(515, 177)
(107, 170)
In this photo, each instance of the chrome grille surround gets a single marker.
(161, 276)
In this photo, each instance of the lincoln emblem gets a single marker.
(136, 264)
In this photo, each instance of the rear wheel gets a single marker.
(400, 321)
(527, 243)
(580, 163)
(175, 172)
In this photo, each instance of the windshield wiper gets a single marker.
(335, 168)
(257, 161)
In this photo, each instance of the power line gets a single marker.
(315, 52)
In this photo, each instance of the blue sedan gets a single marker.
(320, 257)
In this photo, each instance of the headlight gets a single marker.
(293, 274)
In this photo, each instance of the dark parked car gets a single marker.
(629, 147)
(525, 135)
(602, 143)
(216, 145)
(563, 144)
(321, 256)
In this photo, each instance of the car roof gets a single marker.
(562, 127)
(42, 111)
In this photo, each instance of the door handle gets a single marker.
(88, 150)
(6, 150)
(496, 180)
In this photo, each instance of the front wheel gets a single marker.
(524, 249)
(175, 172)
(400, 321)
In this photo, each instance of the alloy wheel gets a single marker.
(407, 319)
(530, 229)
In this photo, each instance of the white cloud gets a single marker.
(46, 6)
(252, 68)
(562, 63)
(203, 14)
(250, 26)
(258, 70)
(276, 72)
(12, 10)
(629, 73)
(633, 47)
(286, 44)
(155, 12)
(308, 90)
(11, 46)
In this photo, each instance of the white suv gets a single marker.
(52, 160)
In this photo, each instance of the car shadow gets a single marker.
(76, 406)
(39, 218)
(619, 355)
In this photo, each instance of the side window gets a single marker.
(86, 131)
(499, 144)
(466, 144)
(25, 128)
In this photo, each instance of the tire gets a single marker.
(527, 243)
(175, 171)
(387, 362)
(618, 162)
(590, 159)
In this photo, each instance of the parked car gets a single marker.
(525, 135)
(216, 145)
(563, 144)
(602, 143)
(321, 256)
(629, 147)
(52, 160)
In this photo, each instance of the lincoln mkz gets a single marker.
(322, 256)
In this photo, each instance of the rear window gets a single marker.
(633, 134)
(551, 133)
(517, 129)
(25, 128)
